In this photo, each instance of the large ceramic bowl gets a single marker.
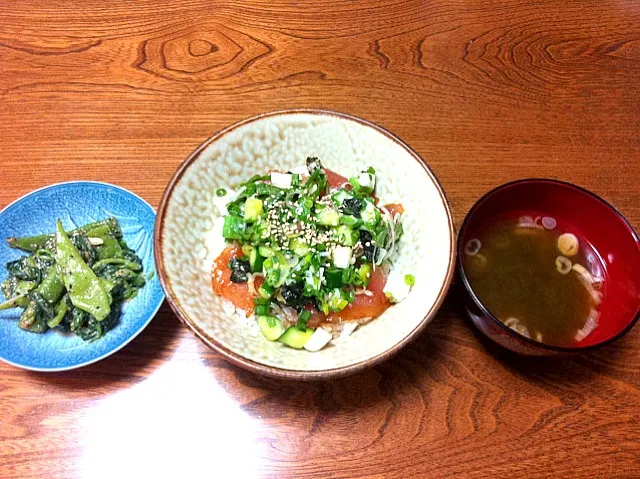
(282, 140)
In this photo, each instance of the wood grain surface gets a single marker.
(486, 91)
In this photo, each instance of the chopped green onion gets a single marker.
(410, 279)
(233, 228)
(221, 192)
(261, 301)
(303, 319)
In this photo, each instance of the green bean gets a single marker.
(51, 287)
(61, 309)
(34, 243)
(110, 248)
(86, 292)
(18, 301)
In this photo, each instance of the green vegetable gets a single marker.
(347, 236)
(292, 237)
(256, 261)
(266, 251)
(34, 243)
(328, 217)
(265, 291)
(51, 288)
(234, 228)
(92, 266)
(110, 248)
(351, 221)
(252, 209)
(370, 215)
(261, 301)
(410, 279)
(221, 192)
(298, 246)
(303, 319)
(21, 300)
(271, 327)
(295, 338)
(61, 309)
(364, 273)
(333, 278)
(276, 270)
(85, 290)
(134, 266)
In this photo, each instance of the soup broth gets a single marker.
(536, 278)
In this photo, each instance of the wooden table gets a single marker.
(485, 91)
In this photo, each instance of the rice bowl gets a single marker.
(186, 241)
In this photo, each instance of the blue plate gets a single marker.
(75, 204)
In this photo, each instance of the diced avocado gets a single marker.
(266, 251)
(271, 327)
(351, 221)
(364, 272)
(247, 249)
(299, 247)
(340, 196)
(294, 338)
(335, 300)
(265, 291)
(252, 209)
(328, 217)
(347, 236)
(255, 260)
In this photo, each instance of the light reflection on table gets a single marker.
(179, 422)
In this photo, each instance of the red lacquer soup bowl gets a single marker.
(607, 234)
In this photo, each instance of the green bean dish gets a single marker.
(73, 281)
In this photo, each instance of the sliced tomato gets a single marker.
(394, 208)
(317, 317)
(334, 179)
(237, 293)
(365, 306)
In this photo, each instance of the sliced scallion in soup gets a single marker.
(537, 278)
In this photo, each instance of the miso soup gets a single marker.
(537, 278)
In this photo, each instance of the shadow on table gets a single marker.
(129, 365)
(446, 343)
(366, 389)
(561, 370)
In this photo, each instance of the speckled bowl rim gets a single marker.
(274, 371)
(476, 299)
(152, 312)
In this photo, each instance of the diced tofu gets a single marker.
(221, 202)
(300, 170)
(342, 257)
(396, 287)
(367, 180)
(281, 180)
(318, 340)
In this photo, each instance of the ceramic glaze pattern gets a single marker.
(76, 204)
(283, 142)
